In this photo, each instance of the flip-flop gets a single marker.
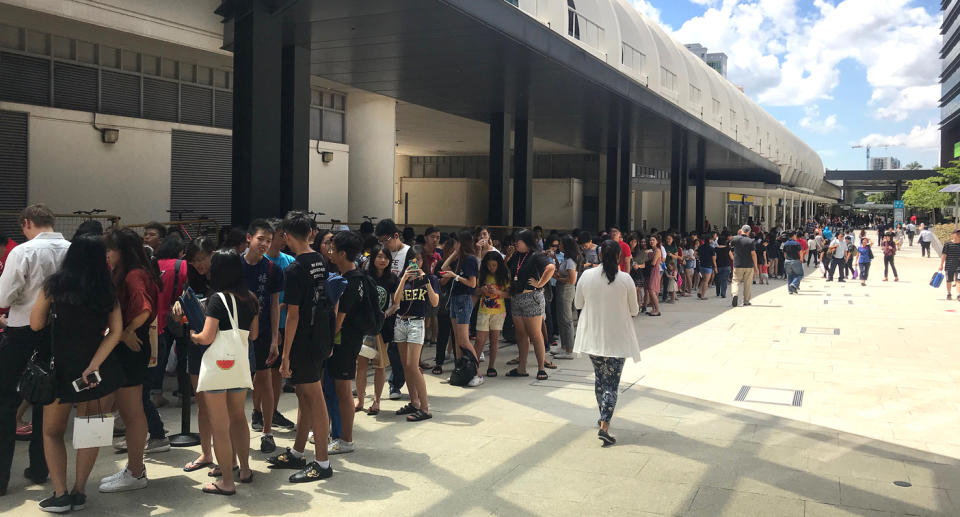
(216, 490)
(216, 472)
(357, 409)
(542, 375)
(513, 361)
(550, 365)
(515, 373)
(491, 372)
(193, 466)
(373, 412)
(248, 480)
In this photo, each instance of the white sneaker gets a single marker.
(310, 438)
(125, 482)
(555, 352)
(563, 355)
(113, 477)
(339, 446)
(476, 381)
(482, 358)
(157, 445)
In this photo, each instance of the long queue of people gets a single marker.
(319, 308)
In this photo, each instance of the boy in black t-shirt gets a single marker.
(303, 354)
(343, 363)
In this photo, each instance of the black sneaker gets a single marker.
(281, 421)
(313, 472)
(256, 421)
(289, 388)
(734, 301)
(54, 504)
(267, 445)
(79, 501)
(606, 438)
(286, 460)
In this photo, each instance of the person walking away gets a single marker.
(744, 265)
(233, 306)
(950, 262)
(707, 256)
(793, 263)
(926, 239)
(605, 332)
(81, 301)
(889, 252)
(850, 255)
(415, 291)
(864, 258)
(724, 263)
(138, 285)
(911, 232)
(25, 270)
(493, 292)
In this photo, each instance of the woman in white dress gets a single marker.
(608, 300)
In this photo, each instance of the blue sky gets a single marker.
(836, 72)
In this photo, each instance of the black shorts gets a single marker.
(343, 363)
(952, 275)
(134, 364)
(195, 357)
(306, 370)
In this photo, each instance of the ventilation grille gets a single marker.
(24, 79)
(74, 87)
(196, 105)
(120, 94)
(224, 109)
(13, 169)
(200, 175)
(159, 100)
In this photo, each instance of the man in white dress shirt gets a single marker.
(26, 269)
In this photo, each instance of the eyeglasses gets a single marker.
(385, 239)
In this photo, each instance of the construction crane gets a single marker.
(867, 147)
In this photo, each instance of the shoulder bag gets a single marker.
(226, 363)
(36, 384)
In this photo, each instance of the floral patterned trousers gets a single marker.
(607, 372)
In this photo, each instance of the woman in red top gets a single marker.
(138, 284)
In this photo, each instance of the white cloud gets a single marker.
(920, 137)
(811, 120)
(785, 59)
(649, 11)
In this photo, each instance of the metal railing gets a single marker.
(66, 224)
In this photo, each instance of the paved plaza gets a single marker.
(878, 368)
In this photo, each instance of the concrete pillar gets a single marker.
(372, 135)
(626, 180)
(676, 170)
(612, 194)
(295, 130)
(522, 173)
(257, 64)
(701, 183)
(684, 182)
(499, 196)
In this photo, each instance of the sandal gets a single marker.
(491, 372)
(548, 364)
(215, 472)
(357, 409)
(247, 480)
(373, 412)
(513, 361)
(437, 370)
(217, 490)
(515, 373)
(409, 409)
(419, 416)
(542, 375)
(652, 314)
(193, 466)
(424, 365)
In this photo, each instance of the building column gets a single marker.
(684, 183)
(372, 133)
(523, 173)
(676, 168)
(899, 193)
(626, 179)
(295, 130)
(498, 204)
(701, 181)
(257, 121)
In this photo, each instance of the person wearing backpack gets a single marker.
(415, 293)
(307, 344)
(358, 314)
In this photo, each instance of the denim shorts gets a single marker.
(409, 330)
(461, 309)
(706, 270)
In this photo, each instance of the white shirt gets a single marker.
(606, 324)
(841, 250)
(925, 236)
(27, 268)
(397, 264)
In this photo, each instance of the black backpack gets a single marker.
(464, 370)
(369, 319)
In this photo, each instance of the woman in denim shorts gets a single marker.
(529, 271)
(462, 268)
(415, 292)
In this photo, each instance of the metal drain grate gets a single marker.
(823, 331)
(776, 396)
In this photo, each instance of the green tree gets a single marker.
(914, 165)
(860, 198)
(881, 198)
(926, 194)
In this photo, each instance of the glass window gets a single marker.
(11, 37)
(316, 98)
(151, 64)
(62, 47)
(204, 75)
(328, 100)
(694, 94)
(109, 56)
(86, 52)
(315, 116)
(668, 79)
(131, 61)
(170, 68)
(333, 126)
(38, 42)
(339, 102)
(188, 73)
(220, 78)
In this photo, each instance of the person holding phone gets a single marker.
(79, 302)
(415, 292)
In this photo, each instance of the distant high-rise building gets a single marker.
(949, 87)
(715, 60)
(882, 163)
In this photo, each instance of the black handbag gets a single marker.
(36, 384)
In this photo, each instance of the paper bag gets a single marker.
(92, 431)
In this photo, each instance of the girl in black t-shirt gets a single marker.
(416, 290)
(378, 267)
(530, 270)
(225, 408)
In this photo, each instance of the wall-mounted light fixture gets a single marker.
(326, 156)
(108, 135)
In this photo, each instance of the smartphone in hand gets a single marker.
(81, 384)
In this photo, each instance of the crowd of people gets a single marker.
(319, 308)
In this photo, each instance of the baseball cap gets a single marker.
(745, 228)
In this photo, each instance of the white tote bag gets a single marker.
(226, 364)
(93, 431)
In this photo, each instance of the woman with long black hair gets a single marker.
(137, 280)
(530, 270)
(565, 292)
(375, 347)
(80, 301)
(225, 408)
(608, 300)
(494, 283)
(462, 268)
